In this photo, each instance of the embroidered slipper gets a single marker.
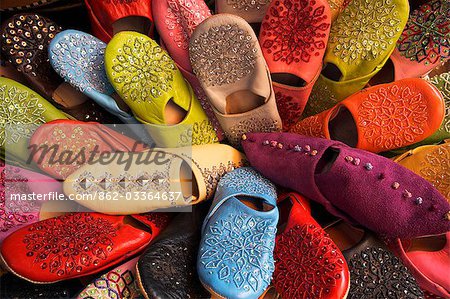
(382, 117)
(336, 7)
(251, 11)
(307, 262)
(351, 184)
(361, 40)
(228, 62)
(375, 272)
(22, 112)
(293, 39)
(118, 283)
(428, 260)
(167, 269)
(61, 147)
(238, 236)
(109, 17)
(73, 245)
(25, 40)
(423, 45)
(149, 82)
(157, 179)
(432, 162)
(78, 58)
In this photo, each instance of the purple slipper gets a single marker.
(356, 185)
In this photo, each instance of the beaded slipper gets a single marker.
(235, 259)
(61, 147)
(157, 179)
(119, 283)
(351, 184)
(73, 245)
(149, 82)
(293, 39)
(250, 10)
(361, 40)
(78, 58)
(382, 117)
(432, 162)
(307, 262)
(29, 110)
(229, 64)
(423, 45)
(167, 269)
(428, 259)
(374, 271)
(109, 17)
(25, 40)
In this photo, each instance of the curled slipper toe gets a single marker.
(350, 183)
(235, 259)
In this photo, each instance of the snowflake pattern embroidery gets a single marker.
(436, 169)
(249, 181)
(311, 126)
(182, 18)
(426, 37)
(294, 31)
(392, 117)
(365, 30)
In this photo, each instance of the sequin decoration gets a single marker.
(436, 169)
(376, 273)
(365, 30)
(307, 263)
(442, 82)
(69, 243)
(392, 117)
(25, 42)
(426, 37)
(321, 99)
(247, 5)
(141, 70)
(293, 31)
(21, 112)
(234, 247)
(311, 126)
(182, 18)
(288, 108)
(200, 133)
(252, 124)
(223, 55)
(79, 59)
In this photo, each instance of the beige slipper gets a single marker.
(253, 11)
(227, 59)
(133, 183)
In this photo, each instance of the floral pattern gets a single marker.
(223, 55)
(142, 70)
(200, 133)
(426, 37)
(365, 30)
(321, 99)
(68, 243)
(392, 117)
(442, 82)
(251, 124)
(289, 110)
(311, 126)
(182, 18)
(293, 31)
(436, 169)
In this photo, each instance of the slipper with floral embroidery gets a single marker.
(293, 39)
(381, 118)
(250, 10)
(355, 185)
(336, 7)
(235, 259)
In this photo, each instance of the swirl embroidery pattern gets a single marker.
(295, 31)
(392, 117)
(311, 126)
(436, 169)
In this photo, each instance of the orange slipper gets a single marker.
(380, 118)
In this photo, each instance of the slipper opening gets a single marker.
(243, 101)
(431, 243)
(67, 96)
(137, 224)
(284, 209)
(132, 23)
(255, 203)
(344, 235)
(332, 72)
(342, 127)
(385, 75)
(327, 160)
(173, 113)
(189, 185)
(288, 79)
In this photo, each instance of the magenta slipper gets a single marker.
(361, 187)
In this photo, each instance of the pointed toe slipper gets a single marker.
(149, 82)
(350, 183)
(25, 40)
(235, 259)
(293, 39)
(164, 178)
(381, 118)
(229, 64)
(307, 262)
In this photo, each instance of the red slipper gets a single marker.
(307, 262)
(293, 39)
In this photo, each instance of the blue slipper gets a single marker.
(238, 236)
(78, 58)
